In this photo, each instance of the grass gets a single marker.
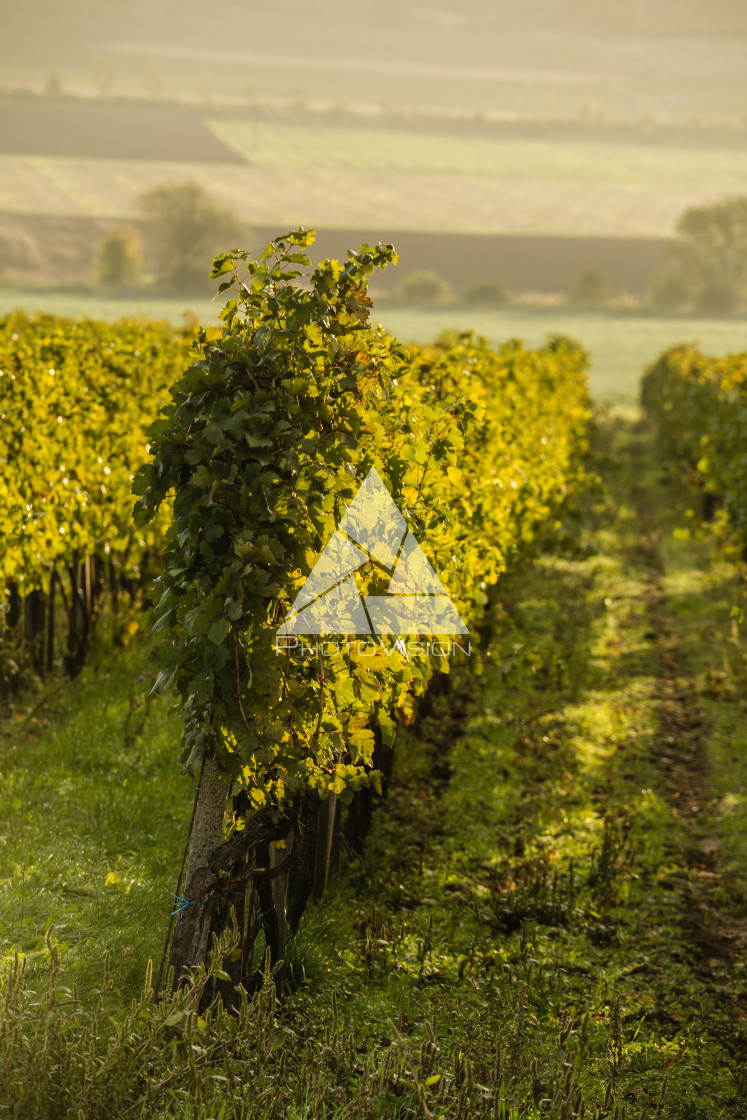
(695, 580)
(552, 906)
(85, 847)
(563, 829)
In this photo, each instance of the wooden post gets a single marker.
(280, 895)
(324, 844)
(207, 835)
(50, 623)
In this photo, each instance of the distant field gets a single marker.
(365, 148)
(620, 346)
(334, 177)
(173, 310)
(330, 197)
(107, 130)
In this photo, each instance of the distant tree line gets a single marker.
(707, 274)
(709, 267)
(183, 227)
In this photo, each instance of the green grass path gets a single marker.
(588, 853)
(550, 918)
(92, 823)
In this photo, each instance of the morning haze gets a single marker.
(530, 161)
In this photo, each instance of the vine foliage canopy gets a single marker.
(270, 430)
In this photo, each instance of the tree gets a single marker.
(103, 76)
(711, 249)
(119, 260)
(591, 288)
(187, 228)
(154, 83)
(424, 287)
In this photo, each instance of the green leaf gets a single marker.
(218, 631)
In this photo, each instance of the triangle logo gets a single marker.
(373, 531)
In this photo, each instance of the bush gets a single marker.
(53, 87)
(487, 293)
(670, 291)
(718, 297)
(119, 259)
(699, 407)
(591, 288)
(273, 430)
(83, 393)
(424, 287)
